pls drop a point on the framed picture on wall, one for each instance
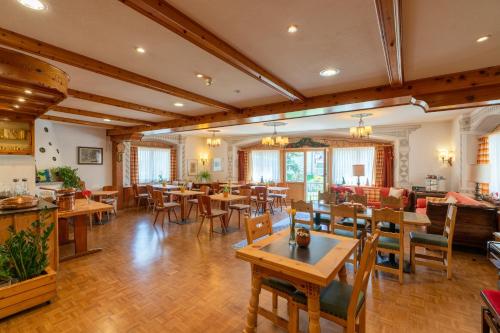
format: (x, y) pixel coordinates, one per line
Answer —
(192, 167)
(90, 155)
(217, 164)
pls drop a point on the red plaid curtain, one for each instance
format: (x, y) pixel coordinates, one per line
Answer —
(173, 164)
(242, 165)
(388, 166)
(483, 157)
(134, 165)
(379, 166)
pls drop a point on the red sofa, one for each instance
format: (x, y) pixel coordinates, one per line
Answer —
(373, 194)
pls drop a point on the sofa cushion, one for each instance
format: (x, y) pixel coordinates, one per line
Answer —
(374, 204)
(421, 203)
(384, 192)
(394, 192)
(359, 190)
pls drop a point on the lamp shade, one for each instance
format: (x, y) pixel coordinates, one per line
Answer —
(480, 173)
(358, 170)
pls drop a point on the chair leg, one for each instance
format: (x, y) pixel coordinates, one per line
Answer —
(175, 214)
(169, 219)
(412, 258)
(190, 207)
(293, 317)
(201, 225)
(448, 265)
(239, 219)
(230, 214)
(355, 260)
(401, 264)
(362, 320)
(211, 227)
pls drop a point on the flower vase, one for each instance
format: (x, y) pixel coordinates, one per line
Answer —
(291, 239)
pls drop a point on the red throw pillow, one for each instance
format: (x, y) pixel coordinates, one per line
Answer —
(421, 203)
(359, 190)
(384, 192)
(493, 296)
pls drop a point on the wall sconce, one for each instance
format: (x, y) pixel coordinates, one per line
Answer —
(204, 158)
(446, 156)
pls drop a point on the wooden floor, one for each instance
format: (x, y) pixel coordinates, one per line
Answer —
(152, 280)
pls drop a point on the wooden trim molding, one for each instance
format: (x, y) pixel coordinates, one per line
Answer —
(37, 47)
(93, 114)
(122, 104)
(174, 20)
(78, 122)
(389, 22)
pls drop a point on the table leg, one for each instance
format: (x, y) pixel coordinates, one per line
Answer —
(184, 208)
(80, 236)
(343, 274)
(63, 231)
(225, 218)
(313, 308)
(253, 306)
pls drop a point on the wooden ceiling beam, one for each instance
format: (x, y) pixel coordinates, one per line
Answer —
(367, 98)
(389, 22)
(8, 115)
(78, 122)
(93, 114)
(37, 47)
(174, 20)
(122, 104)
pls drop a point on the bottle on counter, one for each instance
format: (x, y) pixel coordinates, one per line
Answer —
(24, 186)
(14, 189)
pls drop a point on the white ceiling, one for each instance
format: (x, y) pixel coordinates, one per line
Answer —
(438, 37)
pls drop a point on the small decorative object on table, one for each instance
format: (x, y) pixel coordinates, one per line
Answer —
(225, 191)
(303, 237)
(291, 214)
(87, 194)
(183, 188)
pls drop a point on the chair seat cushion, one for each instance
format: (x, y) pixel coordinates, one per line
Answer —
(348, 221)
(388, 243)
(194, 201)
(218, 212)
(170, 204)
(429, 239)
(280, 285)
(324, 218)
(143, 195)
(239, 206)
(347, 233)
(334, 299)
(302, 216)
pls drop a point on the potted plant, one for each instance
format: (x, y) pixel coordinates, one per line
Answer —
(225, 191)
(303, 237)
(204, 176)
(71, 182)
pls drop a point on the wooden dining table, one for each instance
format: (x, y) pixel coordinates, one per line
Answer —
(224, 203)
(308, 269)
(167, 187)
(184, 196)
(83, 208)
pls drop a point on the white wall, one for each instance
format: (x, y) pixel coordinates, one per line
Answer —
(12, 166)
(67, 138)
(425, 143)
(195, 146)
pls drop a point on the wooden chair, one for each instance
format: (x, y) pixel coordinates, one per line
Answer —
(210, 213)
(280, 197)
(262, 200)
(391, 202)
(216, 187)
(151, 202)
(341, 216)
(442, 243)
(138, 196)
(340, 302)
(195, 201)
(112, 200)
(391, 242)
(161, 206)
(305, 213)
(242, 207)
(326, 198)
(358, 198)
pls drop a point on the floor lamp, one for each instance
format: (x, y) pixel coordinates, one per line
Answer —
(358, 170)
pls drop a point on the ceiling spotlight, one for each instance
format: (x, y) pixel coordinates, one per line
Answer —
(21, 99)
(16, 106)
(329, 72)
(292, 29)
(179, 104)
(199, 76)
(483, 38)
(33, 4)
(106, 120)
(27, 92)
(140, 49)
(208, 81)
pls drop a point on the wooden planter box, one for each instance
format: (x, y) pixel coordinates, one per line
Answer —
(24, 295)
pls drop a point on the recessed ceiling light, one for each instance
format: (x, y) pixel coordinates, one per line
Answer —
(33, 4)
(140, 49)
(27, 91)
(16, 106)
(199, 75)
(21, 99)
(107, 120)
(179, 104)
(292, 29)
(483, 38)
(329, 72)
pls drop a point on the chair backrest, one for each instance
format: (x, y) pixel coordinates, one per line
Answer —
(391, 202)
(344, 211)
(247, 193)
(245, 187)
(395, 217)
(261, 193)
(363, 275)
(205, 189)
(326, 197)
(150, 190)
(449, 224)
(206, 202)
(216, 187)
(304, 207)
(258, 227)
(358, 198)
(135, 188)
(158, 199)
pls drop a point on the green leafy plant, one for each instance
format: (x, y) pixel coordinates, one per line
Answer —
(24, 254)
(204, 176)
(68, 176)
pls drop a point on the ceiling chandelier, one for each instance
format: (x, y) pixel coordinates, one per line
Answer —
(361, 131)
(213, 141)
(275, 140)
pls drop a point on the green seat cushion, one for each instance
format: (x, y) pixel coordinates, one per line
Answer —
(280, 285)
(388, 243)
(429, 239)
(302, 225)
(303, 216)
(324, 218)
(350, 221)
(347, 233)
(334, 299)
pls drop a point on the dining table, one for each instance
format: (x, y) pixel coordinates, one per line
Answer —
(83, 208)
(167, 187)
(184, 196)
(271, 188)
(308, 269)
(224, 203)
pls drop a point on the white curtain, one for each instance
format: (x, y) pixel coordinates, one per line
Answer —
(154, 163)
(344, 158)
(494, 152)
(265, 164)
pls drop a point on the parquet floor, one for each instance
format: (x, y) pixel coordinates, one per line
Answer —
(152, 280)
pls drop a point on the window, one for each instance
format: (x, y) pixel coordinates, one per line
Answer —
(294, 166)
(265, 165)
(154, 164)
(494, 152)
(344, 158)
